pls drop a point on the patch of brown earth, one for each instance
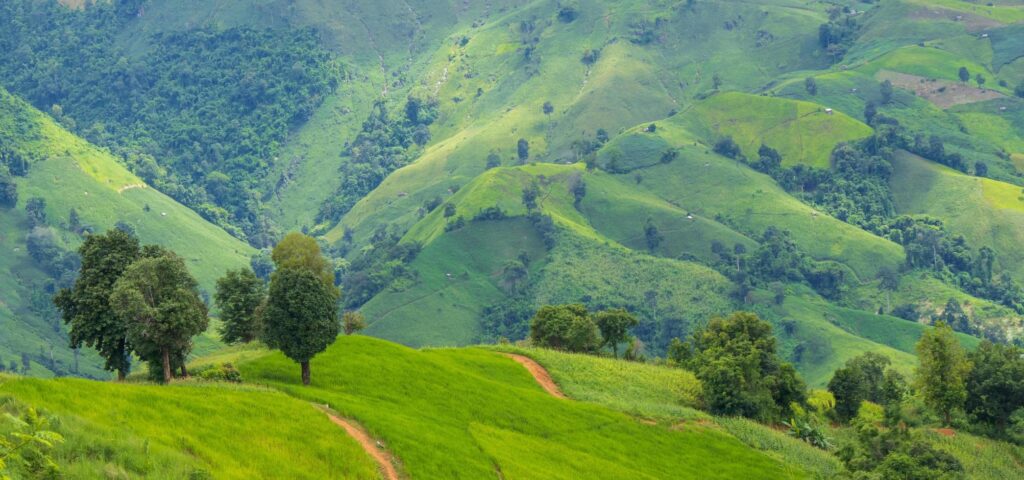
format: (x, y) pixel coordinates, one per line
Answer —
(539, 374)
(943, 93)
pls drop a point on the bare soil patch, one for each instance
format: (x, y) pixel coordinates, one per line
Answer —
(384, 459)
(539, 374)
(943, 93)
(972, 23)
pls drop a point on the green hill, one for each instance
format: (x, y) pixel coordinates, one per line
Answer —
(69, 173)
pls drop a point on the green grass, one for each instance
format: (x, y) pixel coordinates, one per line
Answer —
(802, 132)
(75, 174)
(982, 458)
(985, 211)
(663, 393)
(186, 430)
(470, 413)
(1005, 12)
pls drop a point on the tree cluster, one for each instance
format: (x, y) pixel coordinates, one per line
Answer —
(573, 328)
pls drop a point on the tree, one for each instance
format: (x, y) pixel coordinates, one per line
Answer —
(889, 281)
(742, 374)
(614, 326)
(885, 90)
(652, 235)
(449, 210)
(262, 265)
(861, 379)
(980, 79)
(564, 327)
(86, 307)
(159, 302)
(941, 375)
(548, 108)
(870, 110)
(493, 160)
(301, 251)
(980, 169)
(716, 81)
(239, 294)
(301, 316)
(811, 85)
(530, 193)
(954, 316)
(35, 209)
(964, 74)
(523, 149)
(352, 322)
(995, 387)
(1019, 90)
(8, 189)
(726, 147)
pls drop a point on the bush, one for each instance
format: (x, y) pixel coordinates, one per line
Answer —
(225, 372)
(565, 327)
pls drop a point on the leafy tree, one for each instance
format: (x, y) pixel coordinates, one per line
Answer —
(35, 209)
(493, 160)
(262, 264)
(811, 85)
(353, 322)
(954, 316)
(726, 147)
(768, 159)
(530, 193)
(995, 386)
(8, 189)
(513, 275)
(301, 317)
(870, 111)
(652, 235)
(614, 325)
(897, 454)
(239, 294)
(941, 375)
(735, 358)
(889, 281)
(885, 90)
(523, 149)
(578, 189)
(1019, 90)
(964, 74)
(716, 81)
(26, 446)
(565, 327)
(979, 79)
(301, 251)
(862, 378)
(86, 306)
(548, 108)
(449, 210)
(159, 302)
(980, 169)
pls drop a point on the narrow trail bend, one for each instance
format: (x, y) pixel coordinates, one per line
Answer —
(384, 459)
(539, 374)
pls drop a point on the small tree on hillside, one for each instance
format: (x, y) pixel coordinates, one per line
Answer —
(995, 387)
(159, 301)
(885, 90)
(565, 327)
(942, 374)
(239, 294)
(614, 326)
(652, 235)
(301, 316)
(353, 322)
(811, 85)
(523, 150)
(86, 306)
(964, 74)
(548, 108)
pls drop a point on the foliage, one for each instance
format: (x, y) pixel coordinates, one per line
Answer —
(565, 327)
(300, 251)
(995, 386)
(375, 268)
(201, 115)
(86, 306)
(158, 300)
(896, 453)
(238, 295)
(27, 443)
(301, 317)
(942, 374)
(866, 377)
(735, 358)
(352, 322)
(614, 326)
(383, 145)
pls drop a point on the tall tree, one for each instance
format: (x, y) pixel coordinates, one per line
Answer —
(239, 294)
(159, 301)
(301, 251)
(301, 316)
(995, 387)
(942, 374)
(565, 327)
(86, 307)
(614, 326)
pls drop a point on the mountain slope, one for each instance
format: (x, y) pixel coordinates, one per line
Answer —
(69, 173)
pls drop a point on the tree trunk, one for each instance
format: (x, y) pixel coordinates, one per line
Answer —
(184, 371)
(946, 416)
(615, 349)
(166, 353)
(120, 375)
(305, 373)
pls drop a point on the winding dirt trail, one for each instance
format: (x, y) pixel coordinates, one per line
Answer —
(385, 460)
(539, 374)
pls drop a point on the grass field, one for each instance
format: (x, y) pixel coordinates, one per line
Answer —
(189, 431)
(469, 413)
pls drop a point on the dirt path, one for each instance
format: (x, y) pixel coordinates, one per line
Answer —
(539, 374)
(385, 460)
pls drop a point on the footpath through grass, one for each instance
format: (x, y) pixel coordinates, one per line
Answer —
(191, 430)
(470, 413)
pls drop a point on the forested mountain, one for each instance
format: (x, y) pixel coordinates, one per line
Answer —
(850, 171)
